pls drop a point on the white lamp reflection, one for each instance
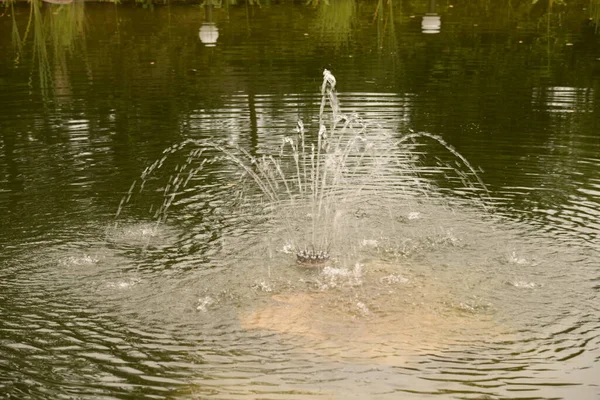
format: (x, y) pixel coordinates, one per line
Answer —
(432, 23)
(209, 33)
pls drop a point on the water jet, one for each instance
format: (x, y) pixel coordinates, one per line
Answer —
(317, 196)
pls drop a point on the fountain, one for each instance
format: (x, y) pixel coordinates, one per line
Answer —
(323, 196)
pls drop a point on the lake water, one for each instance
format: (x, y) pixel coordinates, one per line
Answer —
(446, 278)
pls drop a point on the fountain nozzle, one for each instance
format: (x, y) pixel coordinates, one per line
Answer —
(312, 257)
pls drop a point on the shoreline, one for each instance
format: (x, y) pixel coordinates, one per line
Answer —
(7, 3)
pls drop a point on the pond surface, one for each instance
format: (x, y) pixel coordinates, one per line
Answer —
(463, 261)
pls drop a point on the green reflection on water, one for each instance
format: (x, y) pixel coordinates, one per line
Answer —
(595, 13)
(335, 18)
(149, 68)
(57, 30)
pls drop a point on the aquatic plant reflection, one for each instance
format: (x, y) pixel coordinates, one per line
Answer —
(57, 28)
(40, 50)
(386, 25)
(595, 13)
(335, 20)
(15, 35)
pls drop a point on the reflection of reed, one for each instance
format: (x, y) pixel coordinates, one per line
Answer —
(335, 19)
(40, 51)
(595, 12)
(58, 27)
(386, 29)
(15, 35)
(66, 24)
(65, 27)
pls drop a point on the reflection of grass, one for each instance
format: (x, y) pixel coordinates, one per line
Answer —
(66, 24)
(40, 51)
(53, 27)
(335, 19)
(15, 35)
(386, 29)
(595, 12)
